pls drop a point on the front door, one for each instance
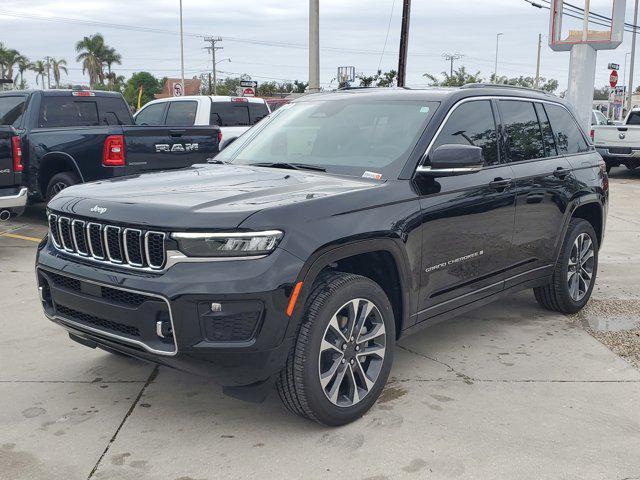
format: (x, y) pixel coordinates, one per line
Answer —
(467, 220)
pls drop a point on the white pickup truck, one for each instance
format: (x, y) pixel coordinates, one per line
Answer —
(234, 115)
(619, 144)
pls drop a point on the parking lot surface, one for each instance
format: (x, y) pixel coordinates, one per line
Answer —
(508, 391)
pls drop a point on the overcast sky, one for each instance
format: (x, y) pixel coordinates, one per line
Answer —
(267, 38)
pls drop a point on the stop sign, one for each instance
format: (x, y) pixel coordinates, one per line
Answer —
(248, 92)
(613, 79)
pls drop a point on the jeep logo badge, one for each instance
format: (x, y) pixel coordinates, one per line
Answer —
(98, 209)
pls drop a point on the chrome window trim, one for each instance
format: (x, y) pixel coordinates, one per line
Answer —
(73, 236)
(93, 254)
(80, 326)
(105, 232)
(126, 249)
(146, 250)
(425, 155)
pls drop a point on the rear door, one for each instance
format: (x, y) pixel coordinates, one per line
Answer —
(236, 115)
(467, 220)
(543, 185)
(7, 175)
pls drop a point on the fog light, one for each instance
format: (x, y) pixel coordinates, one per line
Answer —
(216, 307)
(163, 329)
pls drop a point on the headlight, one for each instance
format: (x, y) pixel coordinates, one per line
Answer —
(235, 244)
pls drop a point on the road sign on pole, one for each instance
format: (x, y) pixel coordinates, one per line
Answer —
(613, 79)
(613, 66)
(177, 89)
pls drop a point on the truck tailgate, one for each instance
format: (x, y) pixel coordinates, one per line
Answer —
(616, 136)
(7, 175)
(163, 148)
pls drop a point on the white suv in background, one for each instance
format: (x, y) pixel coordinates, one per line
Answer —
(234, 115)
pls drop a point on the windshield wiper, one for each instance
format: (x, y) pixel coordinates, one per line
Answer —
(291, 166)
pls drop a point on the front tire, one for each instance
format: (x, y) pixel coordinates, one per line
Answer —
(59, 182)
(343, 354)
(575, 272)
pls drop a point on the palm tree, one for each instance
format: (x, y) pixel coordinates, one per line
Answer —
(109, 57)
(58, 65)
(90, 52)
(40, 69)
(8, 59)
(23, 65)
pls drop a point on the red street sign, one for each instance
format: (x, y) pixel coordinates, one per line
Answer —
(613, 79)
(248, 92)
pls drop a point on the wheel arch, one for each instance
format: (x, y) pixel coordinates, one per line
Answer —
(53, 163)
(588, 207)
(381, 260)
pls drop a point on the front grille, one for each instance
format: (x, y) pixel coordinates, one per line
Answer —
(112, 294)
(97, 321)
(109, 243)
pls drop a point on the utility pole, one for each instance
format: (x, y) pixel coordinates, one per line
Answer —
(314, 46)
(48, 60)
(536, 84)
(451, 57)
(633, 58)
(212, 48)
(184, 87)
(404, 43)
(495, 70)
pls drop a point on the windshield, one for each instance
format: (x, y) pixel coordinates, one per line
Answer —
(362, 137)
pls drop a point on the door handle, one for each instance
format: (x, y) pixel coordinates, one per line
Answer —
(501, 183)
(561, 172)
(177, 133)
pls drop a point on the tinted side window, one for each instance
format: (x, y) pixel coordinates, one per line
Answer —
(230, 114)
(634, 118)
(181, 114)
(11, 110)
(257, 111)
(569, 138)
(68, 112)
(151, 115)
(524, 136)
(114, 111)
(547, 133)
(472, 123)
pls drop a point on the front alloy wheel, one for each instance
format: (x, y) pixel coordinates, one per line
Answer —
(352, 352)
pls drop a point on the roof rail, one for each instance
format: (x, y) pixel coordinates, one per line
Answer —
(502, 85)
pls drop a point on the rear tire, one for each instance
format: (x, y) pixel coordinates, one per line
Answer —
(343, 353)
(575, 272)
(59, 182)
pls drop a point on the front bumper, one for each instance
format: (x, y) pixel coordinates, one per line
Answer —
(14, 199)
(167, 318)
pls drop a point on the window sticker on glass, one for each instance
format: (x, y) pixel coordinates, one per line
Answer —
(373, 175)
(425, 109)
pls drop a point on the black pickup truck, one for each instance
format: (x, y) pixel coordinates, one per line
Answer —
(13, 197)
(75, 136)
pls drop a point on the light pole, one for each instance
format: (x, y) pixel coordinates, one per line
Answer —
(495, 70)
(184, 87)
(314, 46)
(633, 58)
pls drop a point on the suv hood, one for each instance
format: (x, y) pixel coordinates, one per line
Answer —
(203, 196)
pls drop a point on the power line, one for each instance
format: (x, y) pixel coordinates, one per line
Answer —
(386, 38)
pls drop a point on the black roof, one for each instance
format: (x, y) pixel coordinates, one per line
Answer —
(60, 92)
(434, 93)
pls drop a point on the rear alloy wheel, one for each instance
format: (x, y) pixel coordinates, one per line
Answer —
(574, 275)
(59, 182)
(343, 352)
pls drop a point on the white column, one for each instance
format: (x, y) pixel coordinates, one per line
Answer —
(582, 77)
(314, 46)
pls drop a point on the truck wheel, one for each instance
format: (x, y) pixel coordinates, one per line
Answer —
(59, 182)
(343, 354)
(575, 272)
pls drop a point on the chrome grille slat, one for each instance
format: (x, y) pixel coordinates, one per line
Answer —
(79, 237)
(109, 244)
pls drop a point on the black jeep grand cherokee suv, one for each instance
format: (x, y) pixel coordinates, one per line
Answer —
(338, 225)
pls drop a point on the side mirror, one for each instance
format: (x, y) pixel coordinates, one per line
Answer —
(226, 142)
(451, 160)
